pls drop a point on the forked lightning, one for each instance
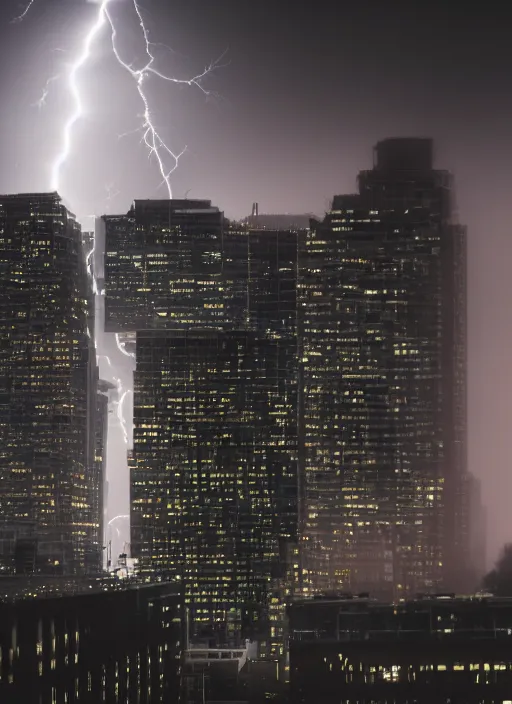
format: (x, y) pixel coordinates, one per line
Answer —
(166, 158)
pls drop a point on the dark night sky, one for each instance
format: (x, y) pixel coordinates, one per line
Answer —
(307, 90)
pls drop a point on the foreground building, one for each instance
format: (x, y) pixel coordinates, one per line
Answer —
(383, 293)
(49, 513)
(436, 650)
(108, 644)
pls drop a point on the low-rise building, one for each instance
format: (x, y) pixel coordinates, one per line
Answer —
(108, 644)
(434, 650)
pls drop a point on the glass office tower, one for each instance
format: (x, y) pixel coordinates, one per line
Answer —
(214, 465)
(383, 291)
(49, 518)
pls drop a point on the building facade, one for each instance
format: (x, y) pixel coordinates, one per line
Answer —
(109, 644)
(214, 465)
(437, 650)
(383, 292)
(47, 390)
(163, 266)
(214, 471)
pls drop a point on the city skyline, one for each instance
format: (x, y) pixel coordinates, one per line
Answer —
(279, 446)
(138, 245)
(435, 97)
(299, 395)
(254, 351)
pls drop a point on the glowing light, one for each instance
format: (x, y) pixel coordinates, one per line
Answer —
(88, 257)
(121, 346)
(116, 518)
(24, 13)
(88, 262)
(41, 102)
(75, 92)
(119, 385)
(122, 396)
(151, 137)
(120, 415)
(104, 356)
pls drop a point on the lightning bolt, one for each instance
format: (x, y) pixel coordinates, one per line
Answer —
(83, 58)
(24, 13)
(119, 385)
(121, 346)
(113, 520)
(88, 263)
(122, 396)
(41, 102)
(151, 137)
(89, 257)
(112, 193)
(104, 356)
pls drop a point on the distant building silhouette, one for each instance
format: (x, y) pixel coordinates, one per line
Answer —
(476, 515)
(276, 221)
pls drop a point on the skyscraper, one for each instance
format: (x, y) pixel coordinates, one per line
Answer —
(214, 466)
(213, 478)
(49, 522)
(384, 370)
(163, 266)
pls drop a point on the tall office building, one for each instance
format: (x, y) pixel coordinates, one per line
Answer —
(214, 466)
(48, 520)
(163, 266)
(384, 374)
(213, 477)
